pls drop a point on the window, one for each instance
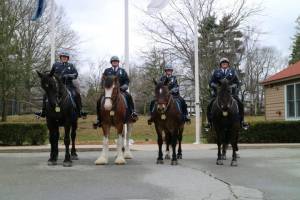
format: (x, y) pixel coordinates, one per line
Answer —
(293, 101)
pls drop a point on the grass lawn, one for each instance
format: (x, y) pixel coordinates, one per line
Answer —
(142, 132)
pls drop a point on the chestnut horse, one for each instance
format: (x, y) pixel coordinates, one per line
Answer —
(167, 118)
(113, 114)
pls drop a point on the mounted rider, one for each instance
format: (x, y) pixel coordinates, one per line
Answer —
(116, 70)
(68, 74)
(225, 71)
(174, 90)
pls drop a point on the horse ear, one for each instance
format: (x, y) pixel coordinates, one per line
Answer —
(39, 74)
(154, 81)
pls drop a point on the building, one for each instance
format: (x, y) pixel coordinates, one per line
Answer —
(282, 94)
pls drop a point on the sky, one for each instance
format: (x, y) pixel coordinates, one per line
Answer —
(100, 26)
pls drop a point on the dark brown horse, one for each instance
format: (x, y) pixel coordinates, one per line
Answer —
(113, 114)
(167, 119)
(60, 111)
(226, 123)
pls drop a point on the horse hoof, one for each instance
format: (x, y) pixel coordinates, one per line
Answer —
(179, 156)
(128, 155)
(219, 162)
(167, 157)
(234, 163)
(120, 161)
(74, 157)
(52, 163)
(101, 161)
(67, 164)
(160, 161)
(174, 162)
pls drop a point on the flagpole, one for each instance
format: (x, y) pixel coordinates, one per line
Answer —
(197, 88)
(52, 34)
(126, 54)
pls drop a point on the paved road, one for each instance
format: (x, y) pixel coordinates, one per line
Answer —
(262, 174)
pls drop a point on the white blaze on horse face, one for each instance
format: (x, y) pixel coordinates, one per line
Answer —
(160, 90)
(107, 100)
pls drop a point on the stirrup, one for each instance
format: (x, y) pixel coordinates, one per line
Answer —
(150, 120)
(96, 124)
(245, 126)
(207, 127)
(40, 114)
(187, 120)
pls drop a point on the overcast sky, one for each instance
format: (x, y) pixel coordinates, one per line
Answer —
(100, 26)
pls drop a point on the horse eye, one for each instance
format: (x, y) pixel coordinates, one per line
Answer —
(46, 85)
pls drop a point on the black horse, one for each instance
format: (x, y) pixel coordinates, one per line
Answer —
(167, 118)
(226, 122)
(60, 111)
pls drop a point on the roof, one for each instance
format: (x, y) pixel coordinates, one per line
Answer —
(291, 72)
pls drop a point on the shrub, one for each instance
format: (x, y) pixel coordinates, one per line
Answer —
(19, 133)
(266, 132)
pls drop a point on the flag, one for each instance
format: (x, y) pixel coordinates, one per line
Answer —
(156, 5)
(40, 7)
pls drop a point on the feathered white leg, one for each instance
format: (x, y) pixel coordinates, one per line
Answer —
(120, 158)
(127, 153)
(103, 159)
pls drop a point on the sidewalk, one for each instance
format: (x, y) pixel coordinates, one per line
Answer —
(141, 147)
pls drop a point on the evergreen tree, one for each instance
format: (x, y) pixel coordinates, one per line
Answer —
(295, 56)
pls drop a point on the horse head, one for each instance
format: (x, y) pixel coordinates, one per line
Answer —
(111, 90)
(224, 98)
(49, 85)
(162, 95)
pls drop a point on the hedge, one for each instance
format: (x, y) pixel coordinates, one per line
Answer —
(266, 132)
(20, 133)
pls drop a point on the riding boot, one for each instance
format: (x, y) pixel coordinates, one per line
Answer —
(184, 110)
(134, 115)
(208, 115)
(150, 120)
(42, 113)
(98, 111)
(244, 125)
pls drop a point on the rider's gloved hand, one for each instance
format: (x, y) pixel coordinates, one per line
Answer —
(124, 87)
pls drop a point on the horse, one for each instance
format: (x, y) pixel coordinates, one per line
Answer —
(113, 114)
(226, 122)
(60, 111)
(167, 118)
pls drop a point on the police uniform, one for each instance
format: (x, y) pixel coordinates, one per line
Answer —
(231, 75)
(67, 72)
(124, 82)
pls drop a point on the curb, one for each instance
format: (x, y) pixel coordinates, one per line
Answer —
(140, 147)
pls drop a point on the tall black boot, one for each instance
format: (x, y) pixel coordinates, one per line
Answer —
(244, 125)
(42, 113)
(184, 110)
(150, 120)
(98, 111)
(134, 116)
(208, 115)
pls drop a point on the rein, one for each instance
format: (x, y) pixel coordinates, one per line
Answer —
(168, 105)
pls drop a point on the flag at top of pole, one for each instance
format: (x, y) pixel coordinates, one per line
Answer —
(156, 5)
(40, 7)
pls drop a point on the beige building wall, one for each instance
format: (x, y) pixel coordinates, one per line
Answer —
(274, 102)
